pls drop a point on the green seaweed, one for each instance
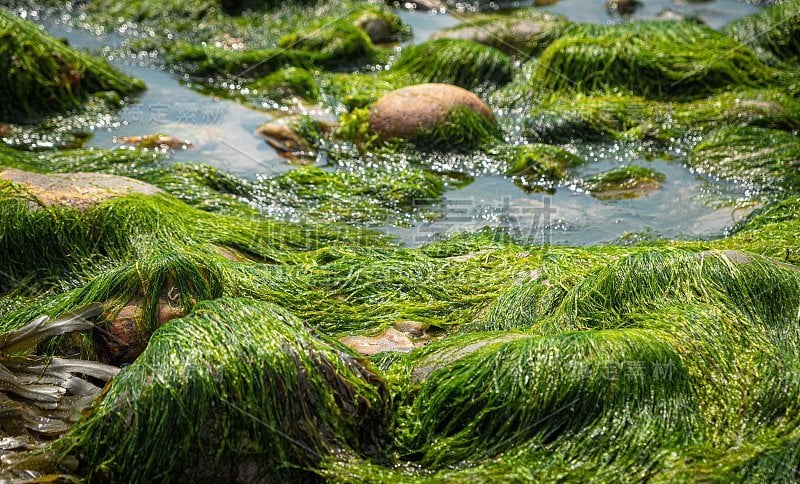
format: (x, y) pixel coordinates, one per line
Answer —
(772, 33)
(765, 159)
(537, 164)
(655, 60)
(599, 116)
(463, 130)
(287, 83)
(461, 62)
(332, 43)
(271, 396)
(43, 75)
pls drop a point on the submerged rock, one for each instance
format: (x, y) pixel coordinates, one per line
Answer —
(76, 190)
(156, 141)
(413, 111)
(624, 182)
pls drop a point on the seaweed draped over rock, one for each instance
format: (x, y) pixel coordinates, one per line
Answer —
(773, 33)
(653, 365)
(241, 390)
(766, 159)
(656, 60)
(41, 74)
(464, 63)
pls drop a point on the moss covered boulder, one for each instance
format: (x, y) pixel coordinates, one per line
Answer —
(40, 74)
(441, 114)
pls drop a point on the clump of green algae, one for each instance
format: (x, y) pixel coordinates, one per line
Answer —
(676, 361)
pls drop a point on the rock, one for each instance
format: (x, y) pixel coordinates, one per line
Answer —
(675, 16)
(124, 338)
(389, 340)
(280, 133)
(378, 29)
(76, 190)
(623, 7)
(415, 329)
(407, 112)
(156, 141)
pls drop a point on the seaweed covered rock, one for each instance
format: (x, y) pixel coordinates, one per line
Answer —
(515, 35)
(656, 60)
(41, 75)
(381, 26)
(623, 182)
(76, 190)
(561, 118)
(332, 43)
(648, 357)
(536, 166)
(464, 63)
(434, 114)
(764, 159)
(287, 83)
(243, 387)
(774, 33)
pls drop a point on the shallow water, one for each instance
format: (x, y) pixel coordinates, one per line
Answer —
(222, 133)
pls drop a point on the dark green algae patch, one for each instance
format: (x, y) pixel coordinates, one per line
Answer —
(668, 360)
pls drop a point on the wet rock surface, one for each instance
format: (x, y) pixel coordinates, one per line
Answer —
(408, 112)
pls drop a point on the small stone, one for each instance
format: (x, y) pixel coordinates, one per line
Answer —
(623, 7)
(281, 135)
(124, 338)
(389, 340)
(407, 112)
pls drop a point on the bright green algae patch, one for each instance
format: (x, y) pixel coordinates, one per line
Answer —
(464, 63)
(773, 33)
(656, 60)
(42, 75)
(671, 362)
(766, 159)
